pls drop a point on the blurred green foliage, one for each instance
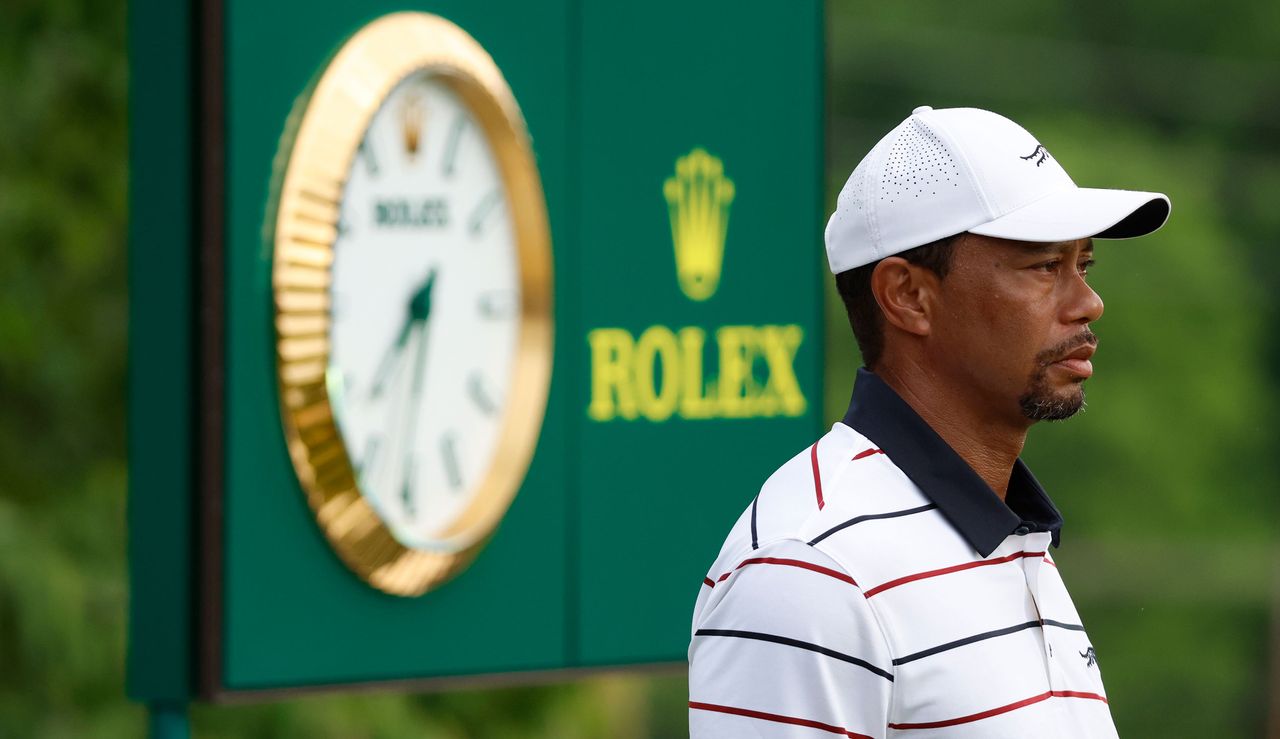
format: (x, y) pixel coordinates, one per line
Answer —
(62, 339)
(1169, 482)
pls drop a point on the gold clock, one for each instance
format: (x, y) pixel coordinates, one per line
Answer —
(412, 282)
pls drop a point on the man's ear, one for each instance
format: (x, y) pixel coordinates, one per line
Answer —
(906, 293)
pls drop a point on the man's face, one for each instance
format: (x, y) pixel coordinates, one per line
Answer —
(1014, 324)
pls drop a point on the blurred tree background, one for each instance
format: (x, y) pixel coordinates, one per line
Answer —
(1169, 482)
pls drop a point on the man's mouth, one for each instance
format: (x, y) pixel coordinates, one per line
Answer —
(1077, 362)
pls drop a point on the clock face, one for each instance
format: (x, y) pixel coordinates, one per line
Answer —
(425, 309)
(412, 277)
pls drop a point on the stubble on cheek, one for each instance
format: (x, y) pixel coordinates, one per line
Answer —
(1039, 402)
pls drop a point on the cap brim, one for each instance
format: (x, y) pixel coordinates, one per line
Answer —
(1082, 213)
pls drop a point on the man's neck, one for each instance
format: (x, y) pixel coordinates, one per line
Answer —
(989, 443)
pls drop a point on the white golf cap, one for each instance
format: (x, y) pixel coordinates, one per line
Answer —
(944, 172)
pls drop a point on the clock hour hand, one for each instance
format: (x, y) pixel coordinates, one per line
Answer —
(420, 303)
(419, 310)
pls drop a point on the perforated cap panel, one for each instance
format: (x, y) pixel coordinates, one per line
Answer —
(918, 164)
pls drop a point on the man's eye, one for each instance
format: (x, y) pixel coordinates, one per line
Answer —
(1085, 266)
(1049, 266)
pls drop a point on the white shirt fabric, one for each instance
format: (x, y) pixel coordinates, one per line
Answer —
(848, 601)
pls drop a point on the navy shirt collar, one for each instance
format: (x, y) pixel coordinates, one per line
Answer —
(972, 507)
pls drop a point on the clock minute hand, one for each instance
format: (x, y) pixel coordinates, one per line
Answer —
(415, 404)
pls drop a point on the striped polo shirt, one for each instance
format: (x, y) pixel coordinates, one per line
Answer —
(877, 587)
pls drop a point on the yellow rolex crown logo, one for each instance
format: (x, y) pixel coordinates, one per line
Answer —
(698, 199)
(411, 120)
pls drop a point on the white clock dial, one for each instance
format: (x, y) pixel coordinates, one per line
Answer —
(413, 287)
(425, 310)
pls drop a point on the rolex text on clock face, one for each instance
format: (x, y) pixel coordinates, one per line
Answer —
(425, 309)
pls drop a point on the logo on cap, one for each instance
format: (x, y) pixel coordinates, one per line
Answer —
(1039, 150)
(698, 199)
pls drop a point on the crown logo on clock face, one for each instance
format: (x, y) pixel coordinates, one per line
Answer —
(411, 122)
(698, 199)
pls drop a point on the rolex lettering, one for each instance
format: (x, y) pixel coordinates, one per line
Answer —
(694, 373)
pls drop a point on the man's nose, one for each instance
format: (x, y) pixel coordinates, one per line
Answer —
(1085, 305)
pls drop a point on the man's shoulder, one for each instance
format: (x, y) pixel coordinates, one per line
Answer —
(839, 480)
(827, 495)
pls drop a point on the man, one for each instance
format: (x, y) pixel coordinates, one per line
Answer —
(895, 578)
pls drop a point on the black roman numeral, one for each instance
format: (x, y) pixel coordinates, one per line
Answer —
(497, 304)
(406, 492)
(479, 395)
(452, 470)
(366, 155)
(451, 143)
(480, 216)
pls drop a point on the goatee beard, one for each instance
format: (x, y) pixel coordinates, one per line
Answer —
(1039, 402)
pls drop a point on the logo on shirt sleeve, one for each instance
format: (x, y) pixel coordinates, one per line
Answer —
(1090, 657)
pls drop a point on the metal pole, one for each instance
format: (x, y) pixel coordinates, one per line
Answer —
(168, 721)
(1273, 689)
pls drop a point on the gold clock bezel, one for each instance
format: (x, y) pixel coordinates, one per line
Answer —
(317, 160)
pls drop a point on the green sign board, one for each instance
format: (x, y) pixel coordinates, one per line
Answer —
(678, 153)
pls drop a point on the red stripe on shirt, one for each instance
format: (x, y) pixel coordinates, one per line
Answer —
(1051, 562)
(1002, 709)
(797, 563)
(783, 561)
(1078, 694)
(817, 476)
(867, 453)
(777, 718)
(948, 570)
